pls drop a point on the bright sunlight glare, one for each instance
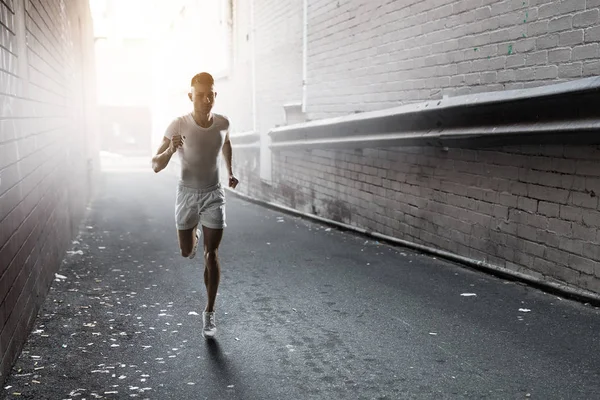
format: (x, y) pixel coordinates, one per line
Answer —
(146, 53)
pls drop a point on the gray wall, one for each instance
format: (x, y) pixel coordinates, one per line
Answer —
(368, 55)
(47, 151)
(532, 209)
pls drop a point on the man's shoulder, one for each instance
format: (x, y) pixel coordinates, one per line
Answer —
(224, 120)
(179, 119)
(221, 117)
(183, 117)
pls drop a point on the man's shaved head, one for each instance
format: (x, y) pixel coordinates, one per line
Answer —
(203, 78)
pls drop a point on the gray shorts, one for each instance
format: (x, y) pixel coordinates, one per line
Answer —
(200, 206)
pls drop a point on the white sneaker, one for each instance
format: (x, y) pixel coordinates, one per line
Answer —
(195, 249)
(210, 329)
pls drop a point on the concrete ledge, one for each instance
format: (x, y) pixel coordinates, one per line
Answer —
(245, 140)
(557, 288)
(565, 113)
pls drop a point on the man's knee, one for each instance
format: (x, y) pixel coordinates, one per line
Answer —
(210, 254)
(186, 252)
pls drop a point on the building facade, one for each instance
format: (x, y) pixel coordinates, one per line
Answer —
(48, 152)
(529, 209)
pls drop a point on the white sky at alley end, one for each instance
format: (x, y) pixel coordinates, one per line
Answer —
(132, 37)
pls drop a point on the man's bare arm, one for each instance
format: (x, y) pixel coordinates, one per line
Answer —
(165, 152)
(227, 152)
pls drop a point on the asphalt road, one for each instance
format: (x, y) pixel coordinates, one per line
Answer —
(303, 312)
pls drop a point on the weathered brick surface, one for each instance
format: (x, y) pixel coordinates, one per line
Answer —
(45, 152)
(532, 209)
(452, 200)
(367, 55)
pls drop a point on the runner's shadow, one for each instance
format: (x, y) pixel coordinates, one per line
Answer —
(217, 357)
(224, 370)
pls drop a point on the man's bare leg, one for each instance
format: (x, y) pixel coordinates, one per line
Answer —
(212, 270)
(187, 240)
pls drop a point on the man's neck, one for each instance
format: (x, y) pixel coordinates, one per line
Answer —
(202, 119)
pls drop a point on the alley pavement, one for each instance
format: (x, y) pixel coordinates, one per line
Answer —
(304, 311)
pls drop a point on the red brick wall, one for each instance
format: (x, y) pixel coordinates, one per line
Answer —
(47, 157)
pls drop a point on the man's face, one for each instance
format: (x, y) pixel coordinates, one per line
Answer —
(203, 97)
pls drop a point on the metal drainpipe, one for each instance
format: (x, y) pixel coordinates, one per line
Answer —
(253, 67)
(304, 54)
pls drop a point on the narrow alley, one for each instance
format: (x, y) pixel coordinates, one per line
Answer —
(417, 214)
(305, 311)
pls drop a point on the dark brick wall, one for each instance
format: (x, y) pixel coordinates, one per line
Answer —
(532, 209)
(47, 157)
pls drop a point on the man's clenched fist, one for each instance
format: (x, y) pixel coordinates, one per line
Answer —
(176, 142)
(233, 181)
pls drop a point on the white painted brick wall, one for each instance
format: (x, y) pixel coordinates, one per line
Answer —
(278, 65)
(530, 209)
(235, 90)
(368, 55)
(46, 88)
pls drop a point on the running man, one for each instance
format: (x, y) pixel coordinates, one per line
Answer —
(199, 138)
